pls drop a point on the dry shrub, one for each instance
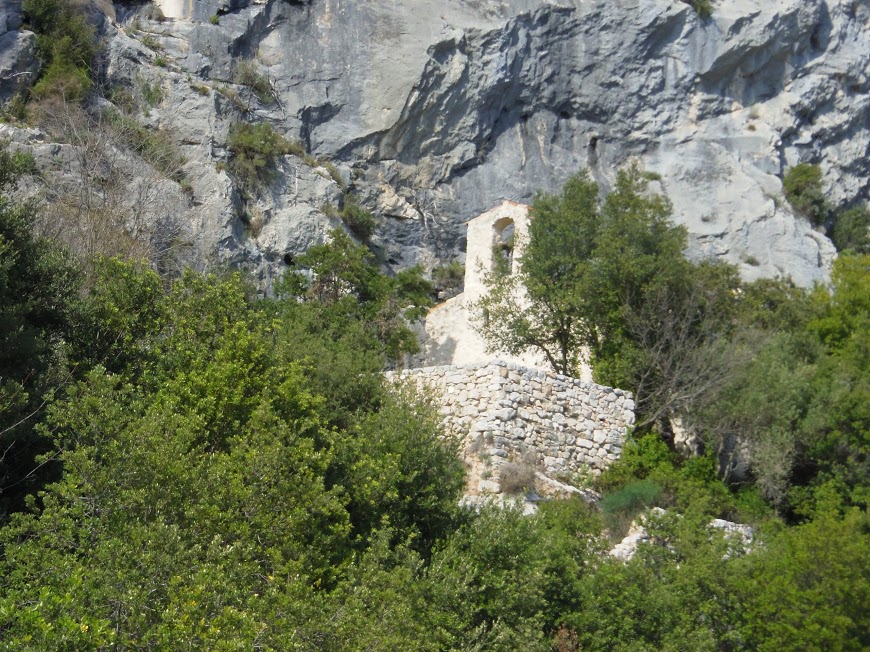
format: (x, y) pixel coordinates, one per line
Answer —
(111, 190)
(516, 478)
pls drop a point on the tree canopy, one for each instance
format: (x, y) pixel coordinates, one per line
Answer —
(233, 473)
(606, 283)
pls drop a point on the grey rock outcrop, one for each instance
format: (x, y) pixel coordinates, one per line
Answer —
(739, 536)
(18, 63)
(435, 112)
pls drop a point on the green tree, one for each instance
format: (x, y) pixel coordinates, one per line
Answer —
(852, 230)
(255, 149)
(38, 285)
(347, 286)
(802, 186)
(67, 45)
(206, 498)
(798, 406)
(609, 283)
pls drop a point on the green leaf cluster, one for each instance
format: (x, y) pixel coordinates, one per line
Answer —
(852, 230)
(67, 46)
(36, 282)
(346, 285)
(763, 373)
(255, 149)
(802, 185)
(233, 473)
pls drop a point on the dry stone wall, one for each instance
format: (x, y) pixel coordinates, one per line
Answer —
(562, 425)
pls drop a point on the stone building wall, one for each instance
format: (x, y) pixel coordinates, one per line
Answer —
(562, 425)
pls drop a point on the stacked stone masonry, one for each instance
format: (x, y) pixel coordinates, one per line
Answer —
(563, 425)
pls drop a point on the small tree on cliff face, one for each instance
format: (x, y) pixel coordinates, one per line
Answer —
(607, 281)
(583, 266)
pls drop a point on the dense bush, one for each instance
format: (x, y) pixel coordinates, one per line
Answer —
(255, 149)
(360, 221)
(232, 473)
(633, 497)
(852, 230)
(802, 186)
(67, 46)
(38, 285)
(350, 292)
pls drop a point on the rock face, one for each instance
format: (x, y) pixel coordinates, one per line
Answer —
(18, 64)
(738, 535)
(434, 112)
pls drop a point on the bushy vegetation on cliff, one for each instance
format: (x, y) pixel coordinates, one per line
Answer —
(764, 371)
(185, 466)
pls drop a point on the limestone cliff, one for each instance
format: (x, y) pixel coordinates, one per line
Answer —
(435, 111)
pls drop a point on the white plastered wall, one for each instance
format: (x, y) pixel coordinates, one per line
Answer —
(451, 338)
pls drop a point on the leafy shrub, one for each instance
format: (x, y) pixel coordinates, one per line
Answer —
(622, 506)
(704, 8)
(802, 186)
(360, 221)
(63, 36)
(63, 81)
(66, 44)
(852, 230)
(634, 496)
(215, 19)
(516, 478)
(449, 277)
(640, 458)
(255, 149)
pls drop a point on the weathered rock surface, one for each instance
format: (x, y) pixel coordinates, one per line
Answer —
(738, 535)
(438, 111)
(18, 63)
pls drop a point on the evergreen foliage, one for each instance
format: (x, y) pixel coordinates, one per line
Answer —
(802, 185)
(231, 473)
(67, 46)
(704, 8)
(255, 148)
(754, 367)
(37, 281)
(852, 230)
